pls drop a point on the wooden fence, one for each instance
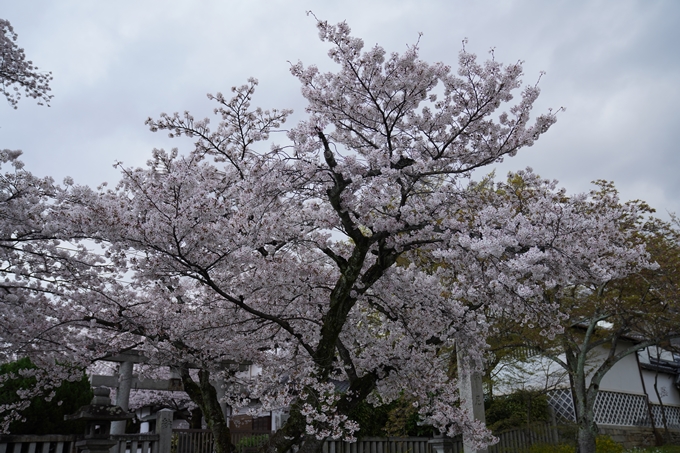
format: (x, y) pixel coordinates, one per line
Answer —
(380, 445)
(136, 443)
(200, 441)
(37, 444)
(511, 441)
(192, 441)
(517, 440)
(249, 441)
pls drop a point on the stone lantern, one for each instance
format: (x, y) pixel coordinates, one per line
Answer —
(98, 415)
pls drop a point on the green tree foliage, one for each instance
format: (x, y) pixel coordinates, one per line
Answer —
(42, 416)
(371, 419)
(517, 410)
(403, 421)
(396, 419)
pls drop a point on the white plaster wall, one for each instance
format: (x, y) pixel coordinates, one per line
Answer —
(623, 377)
(669, 393)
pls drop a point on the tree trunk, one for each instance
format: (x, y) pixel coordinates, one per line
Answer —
(584, 402)
(311, 445)
(658, 438)
(585, 415)
(205, 395)
(308, 444)
(666, 434)
(291, 433)
(196, 418)
(587, 433)
(585, 419)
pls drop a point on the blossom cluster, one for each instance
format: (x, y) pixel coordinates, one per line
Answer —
(17, 73)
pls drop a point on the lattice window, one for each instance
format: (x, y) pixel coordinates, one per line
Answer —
(621, 409)
(562, 404)
(672, 416)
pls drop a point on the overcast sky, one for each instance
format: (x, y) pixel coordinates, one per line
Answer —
(613, 64)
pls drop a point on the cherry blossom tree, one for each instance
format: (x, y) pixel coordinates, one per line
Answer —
(17, 73)
(305, 255)
(66, 306)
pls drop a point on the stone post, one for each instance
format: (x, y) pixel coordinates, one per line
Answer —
(164, 430)
(123, 394)
(144, 426)
(472, 398)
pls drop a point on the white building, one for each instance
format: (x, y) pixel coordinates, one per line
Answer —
(638, 384)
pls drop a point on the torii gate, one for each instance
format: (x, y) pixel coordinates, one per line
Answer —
(124, 381)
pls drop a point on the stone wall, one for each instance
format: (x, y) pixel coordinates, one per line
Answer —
(633, 436)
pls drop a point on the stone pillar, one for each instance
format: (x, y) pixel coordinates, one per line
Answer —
(219, 389)
(123, 394)
(472, 398)
(164, 430)
(441, 444)
(144, 426)
(174, 374)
